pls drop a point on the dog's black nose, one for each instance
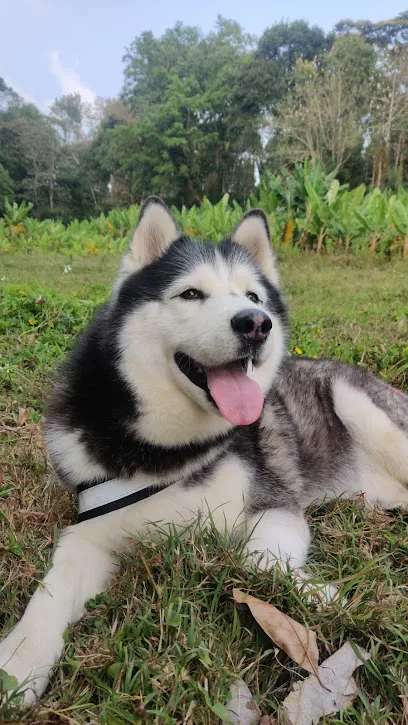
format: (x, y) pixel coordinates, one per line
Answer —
(253, 325)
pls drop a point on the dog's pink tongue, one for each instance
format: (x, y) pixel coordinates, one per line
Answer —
(238, 398)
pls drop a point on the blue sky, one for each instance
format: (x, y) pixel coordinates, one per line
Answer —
(51, 47)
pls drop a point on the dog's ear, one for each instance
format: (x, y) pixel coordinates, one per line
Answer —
(252, 232)
(156, 230)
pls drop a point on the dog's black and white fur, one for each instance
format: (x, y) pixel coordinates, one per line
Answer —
(134, 402)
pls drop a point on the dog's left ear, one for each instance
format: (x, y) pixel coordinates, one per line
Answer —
(156, 230)
(252, 232)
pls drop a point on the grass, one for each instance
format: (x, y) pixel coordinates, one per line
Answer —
(165, 643)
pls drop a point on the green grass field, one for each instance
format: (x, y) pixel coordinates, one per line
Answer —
(165, 643)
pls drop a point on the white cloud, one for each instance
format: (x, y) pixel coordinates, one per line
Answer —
(69, 80)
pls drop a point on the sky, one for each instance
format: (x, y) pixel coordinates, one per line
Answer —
(52, 47)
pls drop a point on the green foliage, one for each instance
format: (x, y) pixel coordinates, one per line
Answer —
(210, 221)
(14, 213)
(6, 187)
(306, 207)
(354, 57)
(202, 115)
(193, 125)
(381, 34)
(287, 42)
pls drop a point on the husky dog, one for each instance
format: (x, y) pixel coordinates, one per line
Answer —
(179, 398)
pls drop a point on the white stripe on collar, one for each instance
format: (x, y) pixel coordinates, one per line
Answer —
(105, 493)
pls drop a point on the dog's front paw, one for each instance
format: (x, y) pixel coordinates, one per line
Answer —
(22, 657)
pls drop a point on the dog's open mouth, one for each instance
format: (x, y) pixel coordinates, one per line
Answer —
(238, 398)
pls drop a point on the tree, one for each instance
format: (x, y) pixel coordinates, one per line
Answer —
(318, 120)
(355, 59)
(191, 133)
(324, 115)
(388, 122)
(287, 43)
(151, 61)
(14, 113)
(269, 72)
(196, 109)
(6, 187)
(8, 97)
(68, 115)
(40, 149)
(382, 34)
(76, 120)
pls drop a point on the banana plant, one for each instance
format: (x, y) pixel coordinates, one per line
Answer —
(344, 210)
(320, 212)
(373, 216)
(304, 205)
(14, 214)
(399, 219)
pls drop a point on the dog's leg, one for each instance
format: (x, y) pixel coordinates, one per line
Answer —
(81, 568)
(281, 537)
(382, 447)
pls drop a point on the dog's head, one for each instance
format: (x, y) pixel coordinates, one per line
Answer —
(201, 325)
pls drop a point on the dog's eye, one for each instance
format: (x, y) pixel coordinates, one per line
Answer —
(253, 297)
(192, 294)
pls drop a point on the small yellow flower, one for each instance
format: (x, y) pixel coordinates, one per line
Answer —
(319, 331)
(316, 357)
(31, 321)
(298, 351)
(405, 349)
(21, 291)
(383, 375)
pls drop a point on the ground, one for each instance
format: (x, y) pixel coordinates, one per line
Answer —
(165, 643)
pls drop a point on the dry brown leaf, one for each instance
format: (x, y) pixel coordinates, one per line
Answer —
(297, 641)
(22, 416)
(334, 689)
(242, 707)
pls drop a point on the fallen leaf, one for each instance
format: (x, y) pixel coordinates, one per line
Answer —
(267, 720)
(22, 416)
(242, 708)
(297, 641)
(33, 337)
(334, 689)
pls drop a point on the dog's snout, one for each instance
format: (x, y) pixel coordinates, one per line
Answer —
(253, 325)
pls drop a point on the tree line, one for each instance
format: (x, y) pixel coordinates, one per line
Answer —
(202, 115)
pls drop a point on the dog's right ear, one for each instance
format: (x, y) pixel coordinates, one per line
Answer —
(156, 230)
